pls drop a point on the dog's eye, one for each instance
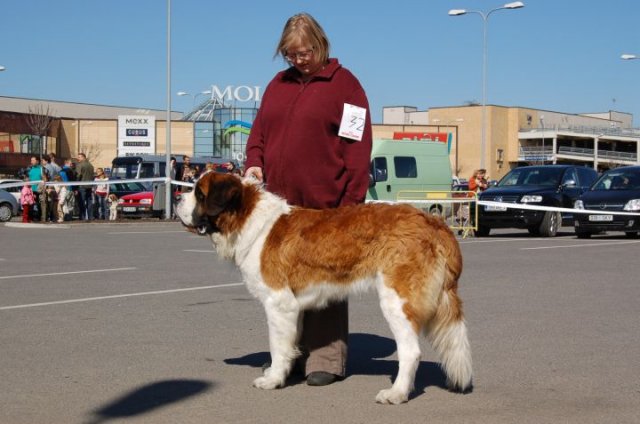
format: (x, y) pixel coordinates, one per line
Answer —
(199, 195)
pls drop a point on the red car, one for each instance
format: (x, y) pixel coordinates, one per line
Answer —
(138, 205)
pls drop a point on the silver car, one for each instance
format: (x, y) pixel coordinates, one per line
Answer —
(8, 206)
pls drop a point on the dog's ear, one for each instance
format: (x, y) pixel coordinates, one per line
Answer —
(220, 192)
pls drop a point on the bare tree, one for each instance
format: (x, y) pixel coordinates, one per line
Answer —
(39, 120)
(91, 150)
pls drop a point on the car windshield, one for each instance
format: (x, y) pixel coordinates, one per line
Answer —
(618, 180)
(542, 176)
(124, 171)
(134, 187)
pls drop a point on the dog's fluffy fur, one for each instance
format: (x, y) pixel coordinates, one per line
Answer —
(293, 259)
(113, 207)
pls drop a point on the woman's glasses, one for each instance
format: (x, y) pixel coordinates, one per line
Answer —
(305, 55)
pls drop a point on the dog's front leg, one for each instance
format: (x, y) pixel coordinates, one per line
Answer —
(282, 316)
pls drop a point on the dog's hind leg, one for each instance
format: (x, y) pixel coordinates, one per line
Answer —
(408, 345)
(283, 314)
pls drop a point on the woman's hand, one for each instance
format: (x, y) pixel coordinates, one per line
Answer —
(255, 172)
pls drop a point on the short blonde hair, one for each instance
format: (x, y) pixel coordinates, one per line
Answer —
(304, 29)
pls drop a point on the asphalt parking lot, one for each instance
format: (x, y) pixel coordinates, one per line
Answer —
(141, 323)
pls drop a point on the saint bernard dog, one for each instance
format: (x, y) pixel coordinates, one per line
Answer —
(293, 259)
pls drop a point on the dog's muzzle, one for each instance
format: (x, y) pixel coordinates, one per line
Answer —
(201, 228)
(204, 228)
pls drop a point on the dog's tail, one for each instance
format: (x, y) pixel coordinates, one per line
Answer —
(447, 330)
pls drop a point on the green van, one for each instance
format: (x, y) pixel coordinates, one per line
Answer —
(398, 165)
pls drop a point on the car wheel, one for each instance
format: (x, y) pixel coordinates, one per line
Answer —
(5, 212)
(482, 231)
(550, 224)
(631, 234)
(583, 234)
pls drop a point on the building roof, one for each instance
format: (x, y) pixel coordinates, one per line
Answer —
(73, 110)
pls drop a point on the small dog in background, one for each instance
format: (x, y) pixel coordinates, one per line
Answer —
(113, 207)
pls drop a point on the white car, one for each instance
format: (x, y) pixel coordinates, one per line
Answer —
(8, 206)
(15, 191)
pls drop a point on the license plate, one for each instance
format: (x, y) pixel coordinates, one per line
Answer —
(600, 218)
(128, 209)
(491, 208)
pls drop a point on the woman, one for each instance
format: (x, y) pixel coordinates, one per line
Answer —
(295, 148)
(478, 181)
(101, 193)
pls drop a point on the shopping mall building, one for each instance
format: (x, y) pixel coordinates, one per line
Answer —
(514, 136)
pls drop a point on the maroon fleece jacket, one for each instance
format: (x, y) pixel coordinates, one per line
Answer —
(294, 139)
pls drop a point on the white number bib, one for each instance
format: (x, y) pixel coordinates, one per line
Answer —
(353, 120)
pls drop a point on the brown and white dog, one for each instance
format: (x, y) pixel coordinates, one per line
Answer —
(293, 259)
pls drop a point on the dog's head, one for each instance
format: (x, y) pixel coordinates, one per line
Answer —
(214, 199)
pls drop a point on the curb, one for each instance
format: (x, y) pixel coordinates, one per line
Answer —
(77, 224)
(35, 225)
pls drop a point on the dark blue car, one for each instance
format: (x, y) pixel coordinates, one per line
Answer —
(617, 190)
(545, 185)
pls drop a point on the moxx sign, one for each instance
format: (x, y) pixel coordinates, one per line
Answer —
(240, 93)
(138, 121)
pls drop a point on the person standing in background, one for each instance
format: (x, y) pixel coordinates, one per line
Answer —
(478, 181)
(85, 172)
(101, 191)
(35, 174)
(52, 168)
(311, 144)
(27, 200)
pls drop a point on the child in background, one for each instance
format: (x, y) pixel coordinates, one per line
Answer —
(61, 196)
(27, 199)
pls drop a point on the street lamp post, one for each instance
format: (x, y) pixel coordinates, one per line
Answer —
(168, 206)
(193, 96)
(485, 17)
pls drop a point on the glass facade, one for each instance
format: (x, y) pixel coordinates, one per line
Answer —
(220, 130)
(19, 143)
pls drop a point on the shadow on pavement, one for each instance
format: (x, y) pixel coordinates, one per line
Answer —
(148, 398)
(365, 358)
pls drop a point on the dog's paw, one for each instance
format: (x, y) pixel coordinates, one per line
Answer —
(391, 396)
(267, 383)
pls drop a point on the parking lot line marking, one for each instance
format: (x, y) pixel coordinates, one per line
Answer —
(497, 240)
(117, 296)
(582, 245)
(6, 277)
(146, 232)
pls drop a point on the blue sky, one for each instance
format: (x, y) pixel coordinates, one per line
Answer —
(559, 55)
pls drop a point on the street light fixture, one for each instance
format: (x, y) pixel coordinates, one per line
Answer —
(193, 96)
(629, 56)
(485, 17)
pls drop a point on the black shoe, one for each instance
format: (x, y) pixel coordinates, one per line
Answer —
(321, 378)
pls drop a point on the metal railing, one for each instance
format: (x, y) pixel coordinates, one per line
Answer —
(607, 154)
(591, 130)
(538, 153)
(459, 209)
